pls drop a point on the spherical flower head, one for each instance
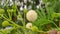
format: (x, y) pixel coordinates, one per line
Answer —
(28, 25)
(5, 23)
(31, 15)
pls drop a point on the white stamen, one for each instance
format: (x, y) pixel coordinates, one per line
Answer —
(21, 8)
(25, 7)
(37, 6)
(18, 3)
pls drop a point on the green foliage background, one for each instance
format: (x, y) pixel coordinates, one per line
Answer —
(48, 16)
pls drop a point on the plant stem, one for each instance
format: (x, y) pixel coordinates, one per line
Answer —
(11, 21)
(24, 18)
(20, 16)
(9, 15)
(55, 24)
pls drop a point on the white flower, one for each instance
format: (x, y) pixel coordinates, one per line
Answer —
(25, 6)
(29, 7)
(38, 6)
(18, 3)
(31, 15)
(8, 28)
(29, 25)
(25, 1)
(29, 0)
(21, 8)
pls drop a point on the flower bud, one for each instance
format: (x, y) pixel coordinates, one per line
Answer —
(34, 28)
(2, 11)
(29, 25)
(5, 23)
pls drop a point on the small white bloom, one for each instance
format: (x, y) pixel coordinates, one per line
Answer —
(31, 15)
(8, 28)
(2, 2)
(32, 2)
(28, 25)
(48, 3)
(11, 3)
(10, 0)
(21, 8)
(37, 6)
(25, 1)
(25, 6)
(18, 3)
(29, 7)
(29, 0)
